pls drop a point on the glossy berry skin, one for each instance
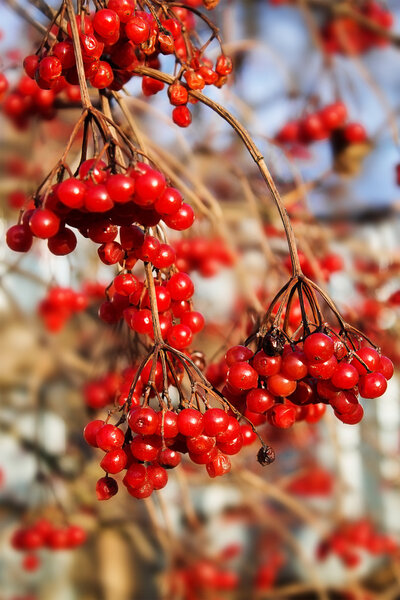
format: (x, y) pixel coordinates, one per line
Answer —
(200, 444)
(318, 347)
(137, 29)
(182, 219)
(64, 242)
(242, 376)
(344, 402)
(180, 287)
(369, 356)
(372, 385)
(143, 420)
(351, 418)
(141, 321)
(44, 223)
(182, 116)
(106, 488)
(194, 320)
(232, 447)
(278, 385)
(149, 187)
(323, 370)
(145, 448)
(157, 476)
(190, 422)
(106, 23)
(215, 421)
(345, 376)
(93, 171)
(19, 238)
(248, 435)
(231, 432)
(103, 77)
(238, 354)
(220, 465)
(180, 336)
(125, 284)
(114, 461)
(71, 192)
(266, 365)
(142, 492)
(120, 188)
(294, 365)
(169, 201)
(168, 458)
(50, 68)
(91, 430)
(282, 416)
(109, 437)
(386, 367)
(259, 400)
(135, 476)
(97, 199)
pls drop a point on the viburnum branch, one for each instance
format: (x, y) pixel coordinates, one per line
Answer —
(254, 152)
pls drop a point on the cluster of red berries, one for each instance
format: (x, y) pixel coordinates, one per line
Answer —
(130, 300)
(116, 40)
(43, 534)
(60, 304)
(349, 539)
(328, 123)
(27, 99)
(97, 203)
(207, 256)
(315, 481)
(347, 36)
(155, 441)
(291, 382)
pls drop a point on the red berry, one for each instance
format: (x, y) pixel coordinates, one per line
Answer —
(182, 219)
(278, 385)
(44, 223)
(19, 238)
(114, 461)
(215, 421)
(218, 466)
(157, 476)
(109, 437)
(106, 487)
(143, 420)
(91, 430)
(345, 376)
(190, 422)
(266, 365)
(318, 347)
(238, 354)
(372, 385)
(242, 376)
(106, 23)
(259, 400)
(182, 116)
(282, 416)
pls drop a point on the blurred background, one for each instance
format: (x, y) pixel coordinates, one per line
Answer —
(258, 532)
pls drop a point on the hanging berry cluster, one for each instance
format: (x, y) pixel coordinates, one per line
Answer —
(42, 534)
(350, 539)
(292, 377)
(155, 441)
(117, 40)
(100, 204)
(329, 122)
